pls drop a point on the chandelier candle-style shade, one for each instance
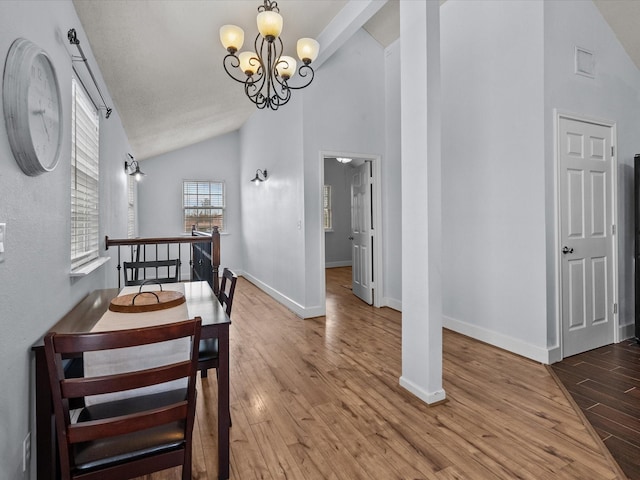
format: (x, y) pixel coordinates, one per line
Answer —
(265, 72)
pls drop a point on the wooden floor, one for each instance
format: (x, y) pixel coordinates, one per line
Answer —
(605, 384)
(319, 399)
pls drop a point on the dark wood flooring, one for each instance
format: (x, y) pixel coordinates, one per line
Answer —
(605, 384)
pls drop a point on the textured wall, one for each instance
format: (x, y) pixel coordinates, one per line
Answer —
(35, 286)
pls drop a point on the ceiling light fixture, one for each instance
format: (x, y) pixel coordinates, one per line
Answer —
(265, 72)
(344, 159)
(257, 180)
(133, 169)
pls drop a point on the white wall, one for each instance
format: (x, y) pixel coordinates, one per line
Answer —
(493, 173)
(614, 94)
(337, 246)
(160, 193)
(502, 81)
(273, 212)
(35, 287)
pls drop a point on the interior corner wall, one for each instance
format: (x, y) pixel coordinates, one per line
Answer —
(344, 111)
(160, 192)
(35, 287)
(614, 95)
(391, 182)
(493, 173)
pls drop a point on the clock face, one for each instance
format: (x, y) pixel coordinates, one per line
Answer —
(44, 111)
(32, 108)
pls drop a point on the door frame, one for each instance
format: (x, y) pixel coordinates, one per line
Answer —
(376, 203)
(557, 116)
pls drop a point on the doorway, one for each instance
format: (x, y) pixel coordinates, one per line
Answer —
(587, 228)
(352, 220)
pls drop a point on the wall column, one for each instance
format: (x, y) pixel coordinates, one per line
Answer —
(421, 200)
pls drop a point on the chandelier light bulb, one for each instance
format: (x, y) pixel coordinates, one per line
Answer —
(232, 37)
(249, 63)
(269, 24)
(308, 50)
(286, 67)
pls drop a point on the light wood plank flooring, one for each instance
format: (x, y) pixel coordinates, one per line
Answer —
(319, 399)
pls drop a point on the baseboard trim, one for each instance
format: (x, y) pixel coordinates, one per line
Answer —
(295, 307)
(343, 263)
(391, 303)
(429, 398)
(542, 355)
(626, 331)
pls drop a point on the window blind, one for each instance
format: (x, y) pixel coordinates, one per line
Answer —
(327, 214)
(84, 178)
(203, 204)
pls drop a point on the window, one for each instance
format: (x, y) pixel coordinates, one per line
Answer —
(326, 208)
(84, 178)
(131, 206)
(203, 204)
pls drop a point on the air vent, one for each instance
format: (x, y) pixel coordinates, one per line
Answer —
(585, 62)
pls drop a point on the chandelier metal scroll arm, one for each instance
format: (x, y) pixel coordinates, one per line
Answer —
(303, 72)
(269, 5)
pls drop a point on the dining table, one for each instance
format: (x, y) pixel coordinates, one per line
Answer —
(84, 317)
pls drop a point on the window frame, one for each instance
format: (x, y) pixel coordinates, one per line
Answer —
(212, 184)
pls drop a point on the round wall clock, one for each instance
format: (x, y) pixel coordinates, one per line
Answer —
(32, 108)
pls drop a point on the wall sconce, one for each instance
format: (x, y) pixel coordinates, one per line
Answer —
(133, 169)
(257, 178)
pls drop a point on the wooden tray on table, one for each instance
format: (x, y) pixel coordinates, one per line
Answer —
(146, 301)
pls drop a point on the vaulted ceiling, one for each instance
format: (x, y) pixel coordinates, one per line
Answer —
(162, 59)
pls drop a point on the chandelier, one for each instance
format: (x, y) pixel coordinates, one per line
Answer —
(265, 72)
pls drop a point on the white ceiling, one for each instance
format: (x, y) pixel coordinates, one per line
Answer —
(162, 59)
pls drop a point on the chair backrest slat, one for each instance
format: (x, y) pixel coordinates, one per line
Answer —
(94, 430)
(133, 270)
(227, 289)
(84, 387)
(97, 341)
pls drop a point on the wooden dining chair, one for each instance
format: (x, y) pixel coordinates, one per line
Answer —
(208, 354)
(135, 273)
(130, 437)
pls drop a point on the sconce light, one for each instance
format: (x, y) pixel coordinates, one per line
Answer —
(257, 178)
(133, 169)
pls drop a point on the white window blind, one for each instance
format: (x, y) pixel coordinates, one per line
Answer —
(84, 178)
(327, 214)
(131, 206)
(203, 204)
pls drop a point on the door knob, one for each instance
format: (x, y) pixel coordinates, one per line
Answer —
(566, 250)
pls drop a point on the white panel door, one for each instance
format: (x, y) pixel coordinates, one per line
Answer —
(586, 235)
(361, 233)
